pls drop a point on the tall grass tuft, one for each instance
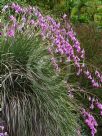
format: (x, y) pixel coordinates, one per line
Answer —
(34, 98)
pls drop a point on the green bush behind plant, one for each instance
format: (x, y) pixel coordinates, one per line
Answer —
(82, 11)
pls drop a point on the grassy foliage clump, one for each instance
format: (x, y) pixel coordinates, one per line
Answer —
(34, 98)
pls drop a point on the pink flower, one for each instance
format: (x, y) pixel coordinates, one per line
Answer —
(101, 113)
(13, 18)
(32, 22)
(4, 8)
(99, 105)
(90, 121)
(64, 16)
(11, 32)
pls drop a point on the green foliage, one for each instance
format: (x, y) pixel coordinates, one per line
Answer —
(34, 98)
(82, 11)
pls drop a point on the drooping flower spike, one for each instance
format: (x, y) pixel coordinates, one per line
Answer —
(59, 37)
